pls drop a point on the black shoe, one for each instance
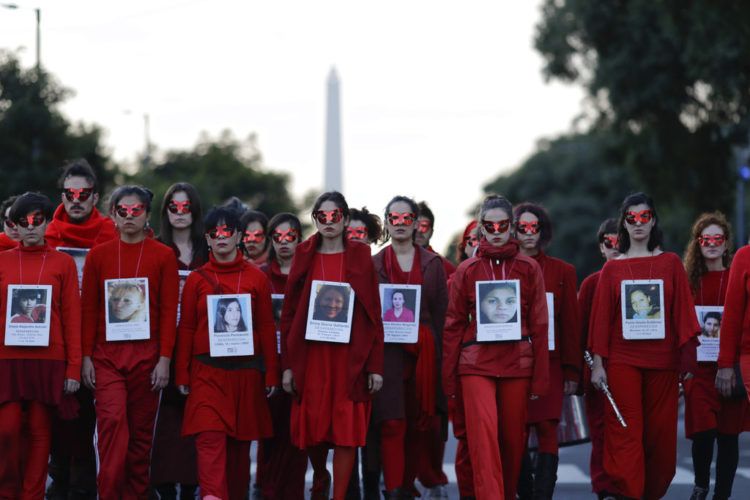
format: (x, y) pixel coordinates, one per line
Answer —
(526, 481)
(546, 476)
(699, 493)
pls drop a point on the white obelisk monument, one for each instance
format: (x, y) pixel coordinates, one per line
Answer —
(333, 169)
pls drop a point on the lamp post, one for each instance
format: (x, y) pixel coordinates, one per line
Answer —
(146, 162)
(38, 13)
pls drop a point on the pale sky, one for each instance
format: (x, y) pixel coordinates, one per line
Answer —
(437, 97)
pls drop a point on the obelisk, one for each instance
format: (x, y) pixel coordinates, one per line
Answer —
(333, 169)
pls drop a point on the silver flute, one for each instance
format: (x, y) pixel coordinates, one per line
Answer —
(603, 387)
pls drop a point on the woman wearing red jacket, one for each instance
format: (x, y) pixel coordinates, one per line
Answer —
(226, 407)
(332, 382)
(643, 348)
(127, 363)
(35, 374)
(534, 233)
(9, 235)
(281, 465)
(411, 392)
(495, 377)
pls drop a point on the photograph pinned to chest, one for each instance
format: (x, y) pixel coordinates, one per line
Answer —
(642, 303)
(182, 278)
(498, 310)
(329, 313)
(230, 325)
(709, 318)
(27, 317)
(127, 311)
(400, 312)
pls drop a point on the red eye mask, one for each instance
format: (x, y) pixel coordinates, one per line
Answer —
(134, 210)
(80, 195)
(424, 226)
(711, 240)
(528, 227)
(473, 241)
(401, 219)
(179, 207)
(610, 242)
(329, 216)
(290, 235)
(221, 232)
(493, 227)
(32, 220)
(356, 233)
(256, 236)
(644, 217)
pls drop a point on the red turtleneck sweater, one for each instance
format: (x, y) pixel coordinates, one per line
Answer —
(62, 232)
(45, 266)
(6, 243)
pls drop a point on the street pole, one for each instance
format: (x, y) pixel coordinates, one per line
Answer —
(38, 39)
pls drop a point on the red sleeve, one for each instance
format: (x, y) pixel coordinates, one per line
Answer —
(265, 327)
(169, 290)
(735, 305)
(684, 319)
(604, 314)
(70, 301)
(538, 330)
(585, 300)
(374, 363)
(90, 302)
(572, 352)
(456, 323)
(186, 330)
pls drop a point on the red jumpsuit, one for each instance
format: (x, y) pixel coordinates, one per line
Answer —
(34, 376)
(735, 341)
(496, 376)
(126, 407)
(643, 375)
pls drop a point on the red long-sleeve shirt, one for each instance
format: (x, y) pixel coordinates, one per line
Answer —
(585, 303)
(45, 266)
(146, 259)
(678, 311)
(237, 276)
(735, 323)
(496, 359)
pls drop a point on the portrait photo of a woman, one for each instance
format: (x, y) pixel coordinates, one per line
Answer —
(399, 310)
(332, 304)
(643, 302)
(229, 316)
(127, 303)
(498, 303)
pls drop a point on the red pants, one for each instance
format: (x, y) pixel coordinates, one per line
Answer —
(223, 465)
(595, 407)
(126, 410)
(641, 458)
(432, 450)
(546, 434)
(496, 432)
(27, 480)
(392, 434)
(463, 461)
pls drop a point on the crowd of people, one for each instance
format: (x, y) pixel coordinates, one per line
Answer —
(136, 365)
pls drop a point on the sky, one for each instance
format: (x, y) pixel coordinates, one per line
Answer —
(438, 98)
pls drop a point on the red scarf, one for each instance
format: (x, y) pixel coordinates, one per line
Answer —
(87, 234)
(6, 243)
(504, 252)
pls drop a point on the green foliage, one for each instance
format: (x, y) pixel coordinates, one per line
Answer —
(35, 138)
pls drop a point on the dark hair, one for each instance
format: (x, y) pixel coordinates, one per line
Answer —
(254, 216)
(236, 204)
(545, 224)
(401, 291)
(222, 214)
(494, 201)
(341, 290)
(278, 220)
(31, 202)
(25, 294)
(485, 289)
(78, 168)
(695, 264)
(372, 223)
(221, 309)
(142, 193)
(712, 314)
(609, 226)
(200, 249)
(5, 205)
(424, 211)
(654, 238)
(334, 196)
(461, 245)
(650, 291)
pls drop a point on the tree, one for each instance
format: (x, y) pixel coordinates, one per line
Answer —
(35, 138)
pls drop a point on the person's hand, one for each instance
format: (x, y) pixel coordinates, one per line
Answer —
(687, 376)
(598, 377)
(88, 377)
(160, 375)
(270, 391)
(287, 382)
(570, 387)
(70, 386)
(374, 382)
(183, 389)
(725, 381)
(534, 397)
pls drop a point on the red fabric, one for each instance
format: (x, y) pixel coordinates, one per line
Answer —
(364, 353)
(392, 434)
(27, 481)
(503, 359)
(585, 303)
(45, 266)
(116, 259)
(237, 276)
(37, 380)
(595, 408)
(496, 432)
(745, 368)
(680, 321)
(641, 458)
(125, 416)
(464, 472)
(549, 406)
(431, 453)
(278, 279)
(6, 243)
(223, 465)
(62, 232)
(448, 266)
(343, 464)
(736, 318)
(546, 433)
(284, 465)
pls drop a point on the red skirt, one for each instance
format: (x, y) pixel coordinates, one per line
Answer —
(230, 401)
(549, 406)
(325, 413)
(40, 380)
(706, 409)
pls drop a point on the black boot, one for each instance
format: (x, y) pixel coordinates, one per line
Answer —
(727, 459)
(166, 491)
(187, 491)
(394, 494)
(546, 476)
(59, 471)
(526, 481)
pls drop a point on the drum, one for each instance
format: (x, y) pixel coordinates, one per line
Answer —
(573, 428)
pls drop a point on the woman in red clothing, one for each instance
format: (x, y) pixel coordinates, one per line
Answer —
(255, 236)
(496, 375)
(281, 465)
(534, 232)
(643, 355)
(9, 235)
(411, 392)
(364, 226)
(127, 364)
(226, 407)
(595, 400)
(709, 417)
(36, 366)
(332, 383)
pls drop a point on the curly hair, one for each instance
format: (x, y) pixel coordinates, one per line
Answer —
(695, 264)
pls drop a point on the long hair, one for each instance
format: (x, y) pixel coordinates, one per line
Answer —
(197, 238)
(371, 221)
(276, 221)
(695, 264)
(545, 223)
(413, 206)
(220, 325)
(654, 238)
